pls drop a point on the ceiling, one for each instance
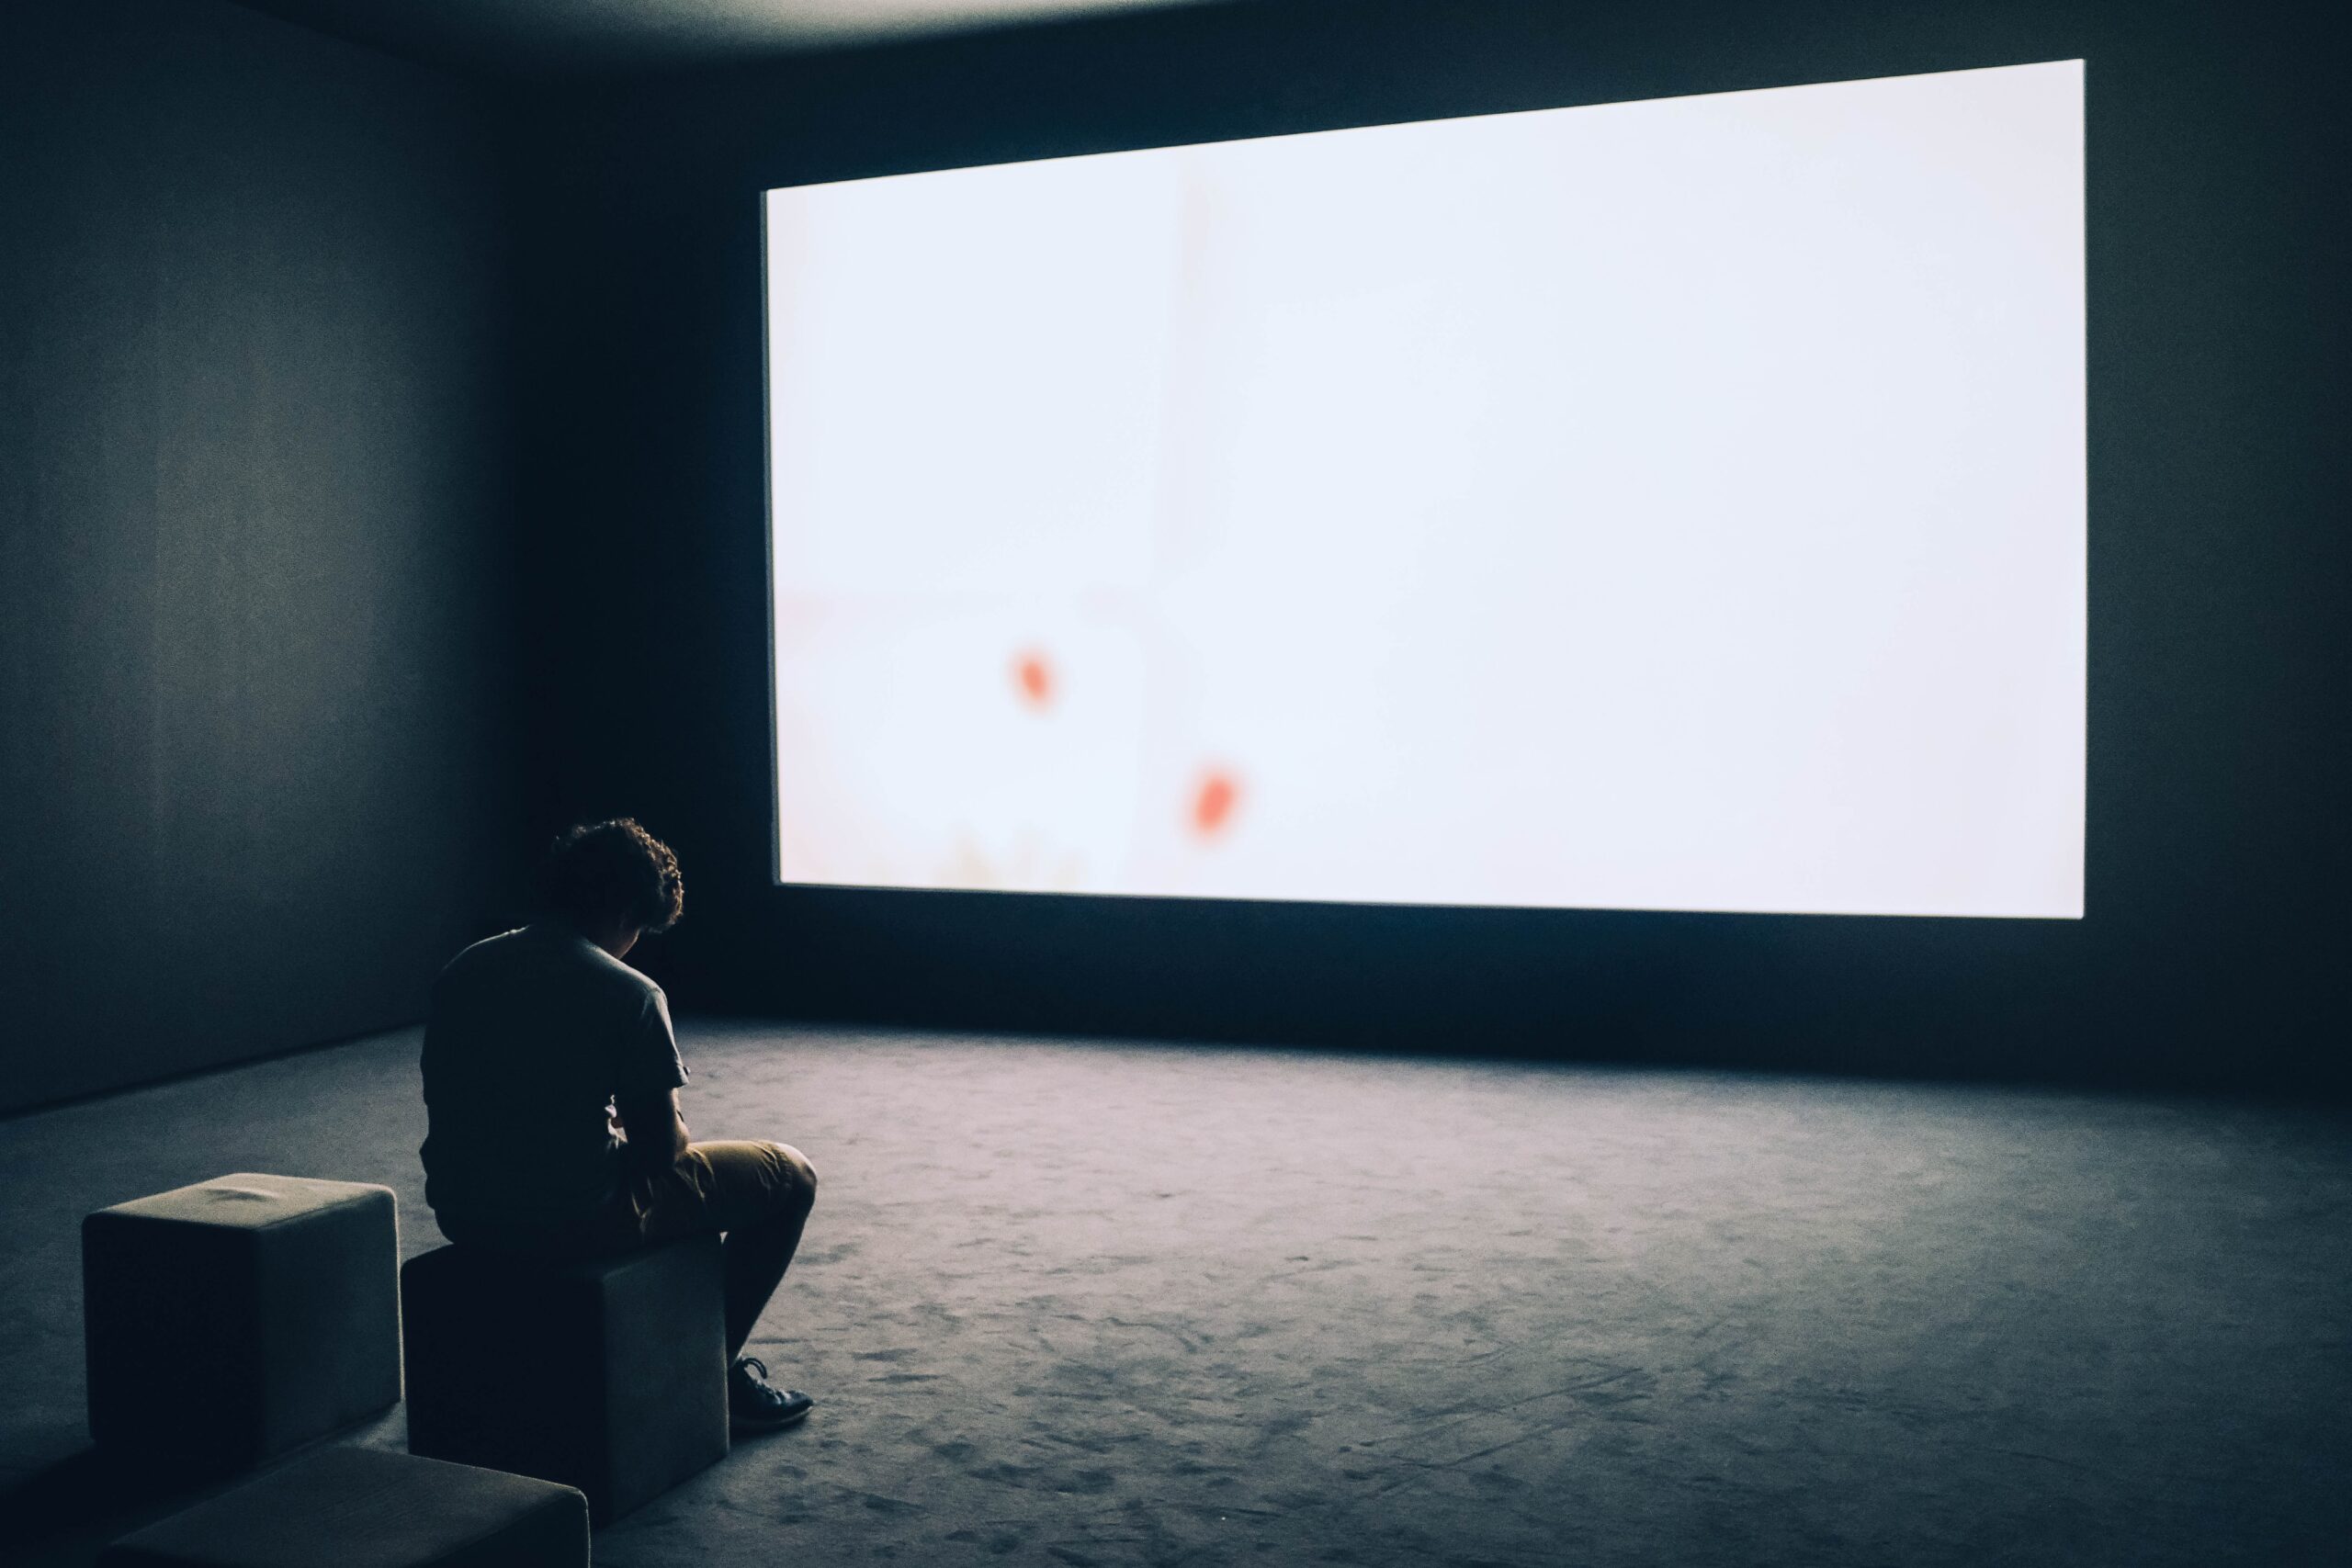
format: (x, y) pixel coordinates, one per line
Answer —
(547, 38)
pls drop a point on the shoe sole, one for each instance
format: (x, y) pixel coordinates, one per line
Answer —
(736, 1424)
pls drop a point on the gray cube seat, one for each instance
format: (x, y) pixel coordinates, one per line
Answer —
(609, 1375)
(366, 1508)
(240, 1317)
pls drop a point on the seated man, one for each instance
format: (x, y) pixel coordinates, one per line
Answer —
(551, 1090)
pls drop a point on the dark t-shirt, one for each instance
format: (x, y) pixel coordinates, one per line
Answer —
(531, 1036)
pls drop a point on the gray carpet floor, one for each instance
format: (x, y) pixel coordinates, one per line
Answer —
(1111, 1304)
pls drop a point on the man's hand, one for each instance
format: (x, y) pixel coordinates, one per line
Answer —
(655, 1130)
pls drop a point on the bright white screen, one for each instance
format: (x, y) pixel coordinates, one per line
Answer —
(1663, 505)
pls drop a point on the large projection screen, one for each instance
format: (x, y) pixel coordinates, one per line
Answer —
(1668, 505)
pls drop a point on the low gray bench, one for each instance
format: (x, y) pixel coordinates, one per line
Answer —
(240, 1317)
(366, 1508)
(608, 1375)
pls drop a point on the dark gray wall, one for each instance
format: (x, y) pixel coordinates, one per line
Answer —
(256, 535)
(2219, 843)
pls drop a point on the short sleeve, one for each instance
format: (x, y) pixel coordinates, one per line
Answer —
(648, 1063)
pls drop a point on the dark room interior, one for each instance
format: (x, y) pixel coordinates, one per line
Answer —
(386, 488)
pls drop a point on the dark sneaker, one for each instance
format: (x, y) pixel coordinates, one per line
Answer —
(755, 1404)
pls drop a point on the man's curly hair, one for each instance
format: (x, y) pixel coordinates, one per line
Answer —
(600, 872)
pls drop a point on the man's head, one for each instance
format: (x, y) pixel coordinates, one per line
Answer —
(611, 881)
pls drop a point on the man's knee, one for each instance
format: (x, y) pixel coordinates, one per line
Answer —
(797, 1179)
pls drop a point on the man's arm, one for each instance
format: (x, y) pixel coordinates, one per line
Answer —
(655, 1128)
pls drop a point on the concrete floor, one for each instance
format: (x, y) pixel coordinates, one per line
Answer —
(1095, 1303)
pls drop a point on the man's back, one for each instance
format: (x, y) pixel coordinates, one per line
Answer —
(531, 1035)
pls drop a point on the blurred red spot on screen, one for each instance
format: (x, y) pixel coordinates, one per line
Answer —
(1212, 802)
(1034, 677)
